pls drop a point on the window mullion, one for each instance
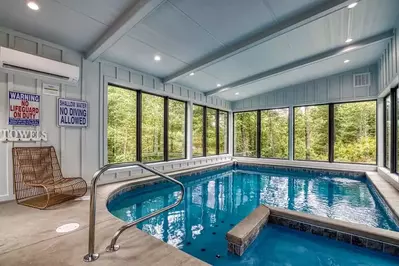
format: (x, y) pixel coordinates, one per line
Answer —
(166, 129)
(258, 134)
(139, 126)
(331, 135)
(393, 136)
(204, 131)
(217, 132)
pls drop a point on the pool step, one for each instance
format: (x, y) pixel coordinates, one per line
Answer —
(244, 233)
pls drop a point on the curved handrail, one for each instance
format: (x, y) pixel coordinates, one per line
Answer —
(91, 256)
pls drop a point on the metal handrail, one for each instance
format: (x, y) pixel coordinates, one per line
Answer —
(91, 256)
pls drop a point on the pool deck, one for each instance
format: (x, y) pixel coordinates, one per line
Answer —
(28, 235)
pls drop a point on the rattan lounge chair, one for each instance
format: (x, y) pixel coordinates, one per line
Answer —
(38, 181)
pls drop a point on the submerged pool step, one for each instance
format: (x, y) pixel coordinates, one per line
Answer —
(244, 233)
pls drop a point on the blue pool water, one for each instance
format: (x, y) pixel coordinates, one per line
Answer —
(216, 201)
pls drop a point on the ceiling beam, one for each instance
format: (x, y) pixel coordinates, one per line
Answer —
(306, 61)
(122, 25)
(321, 10)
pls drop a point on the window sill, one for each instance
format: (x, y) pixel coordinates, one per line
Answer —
(391, 178)
(313, 164)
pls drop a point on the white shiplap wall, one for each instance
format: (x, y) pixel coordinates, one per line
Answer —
(67, 141)
(336, 88)
(82, 151)
(388, 65)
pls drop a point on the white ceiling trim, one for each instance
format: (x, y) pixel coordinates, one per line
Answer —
(317, 12)
(305, 61)
(139, 10)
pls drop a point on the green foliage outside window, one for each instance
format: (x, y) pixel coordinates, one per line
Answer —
(223, 132)
(245, 125)
(355, 132)
(274, 133)
(121, 131)
(176, 130)
(152, 128)
(210, 131)
(311, 133)
(198, 130)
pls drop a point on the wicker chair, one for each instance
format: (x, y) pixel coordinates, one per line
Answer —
(38, 181)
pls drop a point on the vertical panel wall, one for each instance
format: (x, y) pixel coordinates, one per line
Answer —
(336, 88)
(82, 151)
(67, 141)
(388, 64)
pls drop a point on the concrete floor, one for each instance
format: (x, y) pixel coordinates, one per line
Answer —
(28, 237)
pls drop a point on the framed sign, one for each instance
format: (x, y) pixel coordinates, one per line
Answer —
(24, 109)
(72, 113)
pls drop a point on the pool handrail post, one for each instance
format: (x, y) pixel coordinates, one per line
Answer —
(91, 256)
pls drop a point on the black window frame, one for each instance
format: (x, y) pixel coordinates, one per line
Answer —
(204, 131)
(257, 132)
(227, 132)
(376, 132)
(393, 96)
(139, 124)
(260, 132)
(385, 131)
(329, 133)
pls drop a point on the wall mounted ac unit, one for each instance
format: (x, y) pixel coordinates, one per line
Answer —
(16, 62)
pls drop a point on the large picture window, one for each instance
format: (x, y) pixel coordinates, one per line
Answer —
(210, 131)
(245, 134)
(144, 127)
(198, 131)
(223, 132)
(152, 128)
(355, 132)
(176, 130)
(311, 133)
(387, 131)
(274, 133)
(122, 125)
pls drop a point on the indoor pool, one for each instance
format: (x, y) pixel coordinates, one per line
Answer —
(215, 201)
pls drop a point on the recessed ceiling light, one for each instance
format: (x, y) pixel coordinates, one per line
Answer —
(192, 74)
(218, 85)
(352, 5)
(237, 93)
(157, 58)
(67, 228)
(348, 40)
(346, 61)
(33, 5)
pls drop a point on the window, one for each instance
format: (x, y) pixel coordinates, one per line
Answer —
(245, 134)
(397, 129)
(311, 138)
(355, 132)
(387, 131)
(152, 128)
(122, 128)
(223, 132)
(176, 130)
(274, 133)
(198, 131)
(210, 131)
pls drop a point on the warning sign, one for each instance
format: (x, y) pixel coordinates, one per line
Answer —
(24, 109)
(72, 113)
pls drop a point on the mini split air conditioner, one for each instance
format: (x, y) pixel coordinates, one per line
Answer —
(16, 62)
